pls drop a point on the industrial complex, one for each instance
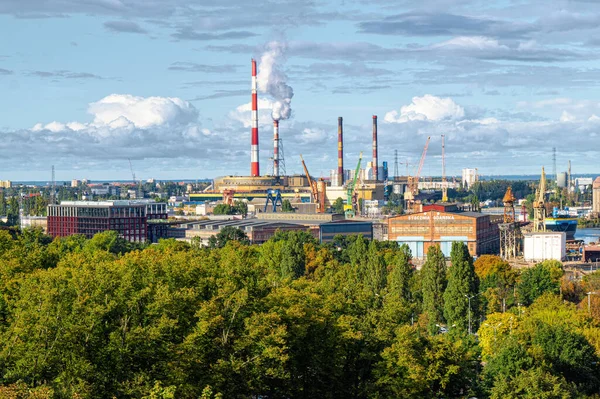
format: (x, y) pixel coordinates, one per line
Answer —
(348, 202)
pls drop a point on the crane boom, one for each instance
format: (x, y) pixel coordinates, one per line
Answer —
(131, 168)
(421, 162)
(313, 188)
(444, 184)
(350, 212)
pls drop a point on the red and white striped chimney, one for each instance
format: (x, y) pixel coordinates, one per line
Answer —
(375, 165)
(275, 148)
(254, 164)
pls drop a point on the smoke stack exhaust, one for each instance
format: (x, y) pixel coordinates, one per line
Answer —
(340, 152)
(254, 165)
(375, 164)
(275, 148)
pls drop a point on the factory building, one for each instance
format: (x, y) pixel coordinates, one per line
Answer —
(328, 231)
(129, 218)
(442, 225)
(596, 196)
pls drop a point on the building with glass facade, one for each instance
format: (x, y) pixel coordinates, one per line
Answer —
(128, 218)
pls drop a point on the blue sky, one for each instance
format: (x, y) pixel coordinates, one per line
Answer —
(86, 85)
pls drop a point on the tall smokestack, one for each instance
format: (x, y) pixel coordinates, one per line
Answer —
(254, 165)
(340, 152)
(375, 164)
(275, 148)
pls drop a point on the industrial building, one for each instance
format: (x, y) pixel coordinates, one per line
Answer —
(328, 231)
(130, 219)
(442, 225)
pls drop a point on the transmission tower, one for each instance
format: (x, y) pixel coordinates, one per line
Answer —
(282, 171)
(396, 172)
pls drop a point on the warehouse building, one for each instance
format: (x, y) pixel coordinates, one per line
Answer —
(443, 225)
(345, 228)
(128, 218)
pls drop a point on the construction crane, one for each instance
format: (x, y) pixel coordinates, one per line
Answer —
(539, 205)
(314, 187)
(444, 182)
(139, 193)
(413, 181)
(351, 200)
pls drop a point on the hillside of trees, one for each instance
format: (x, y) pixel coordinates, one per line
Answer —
(102, 318)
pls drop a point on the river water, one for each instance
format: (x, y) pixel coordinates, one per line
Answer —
(587, 235)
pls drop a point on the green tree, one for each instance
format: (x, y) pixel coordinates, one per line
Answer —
(223, 209)
(433, 276)
(540, 279)
(286, 206)
(338, 205)
(226, 234)
(462, 285)
(536, 383)
(241, 207)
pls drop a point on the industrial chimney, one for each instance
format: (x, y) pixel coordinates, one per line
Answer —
(340, 152)
(254, 165)
(375, 164)
(275, 148)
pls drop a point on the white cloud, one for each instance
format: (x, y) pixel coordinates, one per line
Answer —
(143, 112)
(470, 42)
(427, 108)
(567, 117)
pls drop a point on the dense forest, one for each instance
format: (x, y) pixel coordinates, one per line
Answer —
(102, 318)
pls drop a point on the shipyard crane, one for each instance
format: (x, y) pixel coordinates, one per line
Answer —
(413, 181)
(314, 188)
(444, 182)
(351, 200)
(539, 205)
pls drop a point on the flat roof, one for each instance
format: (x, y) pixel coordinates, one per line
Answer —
(107, 203)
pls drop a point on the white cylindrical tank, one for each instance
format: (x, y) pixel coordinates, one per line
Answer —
(542, 246)
(561, 180)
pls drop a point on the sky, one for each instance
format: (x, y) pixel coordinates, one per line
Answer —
(87, 85)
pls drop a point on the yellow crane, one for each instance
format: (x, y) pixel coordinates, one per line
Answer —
(539, 205)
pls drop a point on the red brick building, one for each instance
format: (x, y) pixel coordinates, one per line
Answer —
(128, 218)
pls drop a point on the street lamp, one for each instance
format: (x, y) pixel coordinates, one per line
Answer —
(589, 294)
(469, 298)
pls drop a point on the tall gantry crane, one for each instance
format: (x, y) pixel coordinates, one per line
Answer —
(444, 182)
(413, 181)
(351, 200)
(539, 205)
(314, 188)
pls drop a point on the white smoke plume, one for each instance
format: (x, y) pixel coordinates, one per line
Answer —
(272, 80)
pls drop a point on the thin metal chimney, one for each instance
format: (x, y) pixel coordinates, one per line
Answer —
(375, 164)
(340, 152)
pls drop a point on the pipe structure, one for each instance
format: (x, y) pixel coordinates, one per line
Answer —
(375, 164)
(340, 152)
(275, 148)
(254, 163)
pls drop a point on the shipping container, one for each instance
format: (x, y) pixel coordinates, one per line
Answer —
(542, 246)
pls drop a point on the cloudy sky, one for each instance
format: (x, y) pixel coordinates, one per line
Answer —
(85, 85)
